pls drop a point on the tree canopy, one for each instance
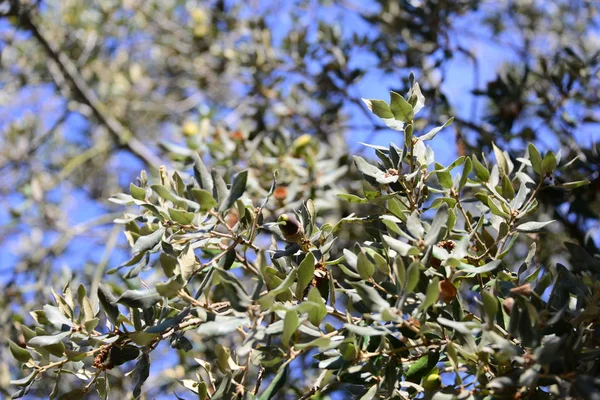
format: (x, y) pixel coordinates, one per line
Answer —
(186, 209)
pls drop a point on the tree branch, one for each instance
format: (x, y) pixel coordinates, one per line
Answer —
(120, 134)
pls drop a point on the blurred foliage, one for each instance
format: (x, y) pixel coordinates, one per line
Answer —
(93, 92)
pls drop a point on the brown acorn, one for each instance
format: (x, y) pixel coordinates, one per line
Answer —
(292, 231)
(447, 291)
(290, 228)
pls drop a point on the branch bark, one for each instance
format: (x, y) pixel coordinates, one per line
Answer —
(120, 134)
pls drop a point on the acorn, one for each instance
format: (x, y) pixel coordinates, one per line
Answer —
(290, 228)
(292, 231)
(432, 382)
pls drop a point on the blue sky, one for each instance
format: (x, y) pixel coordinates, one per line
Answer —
(457, 86)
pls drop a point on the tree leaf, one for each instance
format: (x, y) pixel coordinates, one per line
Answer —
(205, 199)
(365, 267)
(181, 216)
(365, 330)
(139, 298)
(500, 160)
(290, 324)
(238, 187)
(400, 108)
(431, 294)
(444, 176)
(148, 242)
(470, 269)
(439, 221)
(20, 354)
(221, 326)
(414, 225)
(480, 170)
(202, 175)
(533, 226)
(220, 191)
(277, 382)
(171, 287)
(41, 341)
(379, 108)
(535, 158)
(549, 163)
(108, 302)
(306, 272)
(467, 168)
(403, 249)
(57, 318)
(412, 276)
(141, 372)
(432, 133)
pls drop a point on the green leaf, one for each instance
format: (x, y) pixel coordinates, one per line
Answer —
(480, 170)
(41, 341)
(414, 225)
(536, 158)
(439, 221)
(574, 185)
(431, 294)
(141, 372)
(403, 249)
(238, 187)
(171, 287)
(370, 394)
(205, 199)
(57, 318)
(370, 296)
(400, 108)
(290, 325)
(432, 133)
(137, 193)
(412, 276)
(365, 267)
(221, 326)
(139, 298)
(467, 168)
(148, 242)
(108, 304)
(121, 355)
(282, 288)
(166, 194)
(500, 160)
(444, 176)
(379, 108)
(316, 314)
(533, 226)
(202, 175)
(549, 163)
(372, 171)
(277, 382)
(470, 269)
(423, 366)
(490, 305)
(169, 322)
(20, 354)
(365, 330)
(180, 216)
(352, 198)
(220, 191)
(25, 380)
(306, 272)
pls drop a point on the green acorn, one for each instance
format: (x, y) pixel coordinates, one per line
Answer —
(432, 382)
